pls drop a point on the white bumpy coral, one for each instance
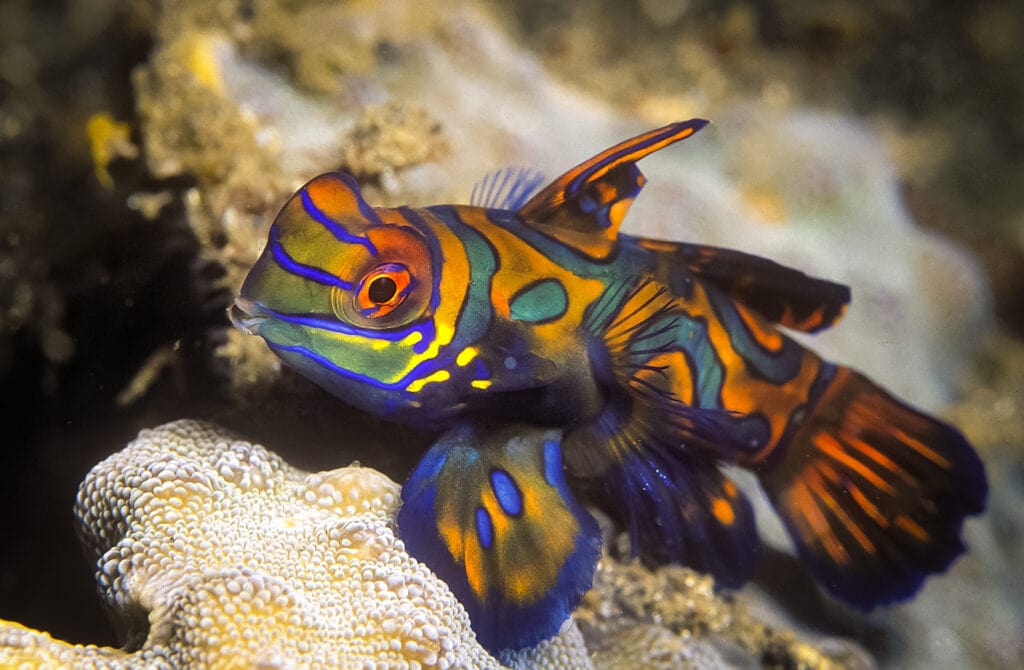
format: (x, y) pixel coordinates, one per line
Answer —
(213, 553)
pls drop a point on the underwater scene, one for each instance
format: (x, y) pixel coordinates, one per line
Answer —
(522, 334)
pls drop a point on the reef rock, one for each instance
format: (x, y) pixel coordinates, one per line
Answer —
(213, 552)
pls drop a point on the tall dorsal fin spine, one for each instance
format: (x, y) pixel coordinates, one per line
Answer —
(597, 167)
(633, 150)
(584, 207)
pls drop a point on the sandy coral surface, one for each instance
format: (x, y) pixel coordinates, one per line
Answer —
(212, 552)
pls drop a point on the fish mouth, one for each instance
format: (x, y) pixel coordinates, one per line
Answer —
(247, 315)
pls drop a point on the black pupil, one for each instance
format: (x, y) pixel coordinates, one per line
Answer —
(382, 289)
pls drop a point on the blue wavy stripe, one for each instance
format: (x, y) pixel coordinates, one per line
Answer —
(333, 226)
(777, 367)
(426, 328)
(305, 271)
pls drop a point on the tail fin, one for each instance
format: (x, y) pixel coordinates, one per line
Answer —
(873, 492)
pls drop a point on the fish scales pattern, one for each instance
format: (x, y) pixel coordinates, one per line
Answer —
(563, 361)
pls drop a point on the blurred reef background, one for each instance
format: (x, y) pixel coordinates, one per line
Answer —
(146, 146)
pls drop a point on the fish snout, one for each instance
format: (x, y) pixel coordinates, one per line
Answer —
(246, 315)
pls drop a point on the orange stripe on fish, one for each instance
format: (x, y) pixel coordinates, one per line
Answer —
(649, 364)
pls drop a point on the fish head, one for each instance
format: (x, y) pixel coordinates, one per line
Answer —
(344, 296)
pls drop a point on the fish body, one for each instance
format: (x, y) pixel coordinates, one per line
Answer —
(565, 359)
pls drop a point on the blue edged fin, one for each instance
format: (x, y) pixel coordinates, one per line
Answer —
(781, 294)
(676, 508)
(507, 188)
(873, 492)
(489, 511)
(584, 207)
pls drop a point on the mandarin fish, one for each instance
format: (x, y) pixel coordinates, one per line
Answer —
(569, 363)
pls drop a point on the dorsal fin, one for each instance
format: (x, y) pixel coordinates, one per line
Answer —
(507, 188)
(585, 206)
(781, 294)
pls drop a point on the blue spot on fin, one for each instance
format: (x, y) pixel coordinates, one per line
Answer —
(484, 528)
(519, 579)
(508, 188)
(507, 492)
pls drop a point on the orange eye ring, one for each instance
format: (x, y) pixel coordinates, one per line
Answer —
(382, 289)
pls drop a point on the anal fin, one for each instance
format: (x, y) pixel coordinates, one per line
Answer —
(677, 506)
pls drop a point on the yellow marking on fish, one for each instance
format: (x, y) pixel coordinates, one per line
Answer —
(437, 376)
(617, 212)
(466, 356)
(921, 448)
(407, 341)
(350, 341)
(869, 507)
(760, 329)
(475, 570)
(819, 489)
(523, 264)
(832, 448)
(744, 392)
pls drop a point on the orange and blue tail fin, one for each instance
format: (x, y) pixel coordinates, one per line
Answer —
(873, 492)
(489, 511)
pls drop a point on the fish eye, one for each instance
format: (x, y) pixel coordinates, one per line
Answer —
(382, 289)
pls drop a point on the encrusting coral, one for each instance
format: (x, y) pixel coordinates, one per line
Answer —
(213, 552)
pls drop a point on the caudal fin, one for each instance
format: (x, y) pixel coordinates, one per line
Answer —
(874, 492)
